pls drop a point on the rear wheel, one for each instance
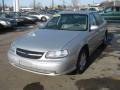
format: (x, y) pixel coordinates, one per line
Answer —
(82, 61)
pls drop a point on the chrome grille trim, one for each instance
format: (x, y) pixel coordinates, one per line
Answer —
(29, 54)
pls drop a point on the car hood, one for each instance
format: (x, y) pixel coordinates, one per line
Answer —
(45, 40)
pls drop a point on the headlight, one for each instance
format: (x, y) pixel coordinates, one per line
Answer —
(3, 22)
(12, 48)
(57, 54)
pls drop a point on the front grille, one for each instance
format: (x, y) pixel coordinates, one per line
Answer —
(29, 54)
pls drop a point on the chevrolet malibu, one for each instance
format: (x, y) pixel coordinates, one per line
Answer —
(60, 46)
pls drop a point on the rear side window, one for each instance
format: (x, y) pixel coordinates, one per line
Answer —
(92, 20)
(99, 19)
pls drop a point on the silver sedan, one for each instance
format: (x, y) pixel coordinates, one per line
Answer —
(60, 46)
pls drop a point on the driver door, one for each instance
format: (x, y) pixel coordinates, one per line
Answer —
(93, 34)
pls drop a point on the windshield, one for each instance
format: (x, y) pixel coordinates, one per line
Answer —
(73, 22)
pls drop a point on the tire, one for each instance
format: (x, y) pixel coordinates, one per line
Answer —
(1, 26)
(105, 38)
(43, 19)
(82, 61)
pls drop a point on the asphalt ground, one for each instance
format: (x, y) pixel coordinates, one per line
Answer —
(103, 72)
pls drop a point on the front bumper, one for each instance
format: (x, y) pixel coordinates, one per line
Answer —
(44, 67)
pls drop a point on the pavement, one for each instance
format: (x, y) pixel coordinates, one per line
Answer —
(103, 72)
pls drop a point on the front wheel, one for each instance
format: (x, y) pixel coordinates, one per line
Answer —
(82, 61)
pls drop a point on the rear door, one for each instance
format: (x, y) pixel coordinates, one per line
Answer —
(93, 36)
(102, 27)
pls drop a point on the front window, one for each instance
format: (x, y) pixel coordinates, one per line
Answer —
(73, 22)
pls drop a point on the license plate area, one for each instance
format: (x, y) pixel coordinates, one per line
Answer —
(27, 63)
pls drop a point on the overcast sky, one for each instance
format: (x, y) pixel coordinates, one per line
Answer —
(49, 2)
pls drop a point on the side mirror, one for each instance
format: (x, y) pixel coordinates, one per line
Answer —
(93, 27)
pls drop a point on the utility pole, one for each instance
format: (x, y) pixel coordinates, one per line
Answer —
(34, 3)
(63, 3)
(3, 4)
(52, 4)
(114, 2)
(93, 2)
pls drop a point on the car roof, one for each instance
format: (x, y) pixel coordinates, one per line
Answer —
(87, 12)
